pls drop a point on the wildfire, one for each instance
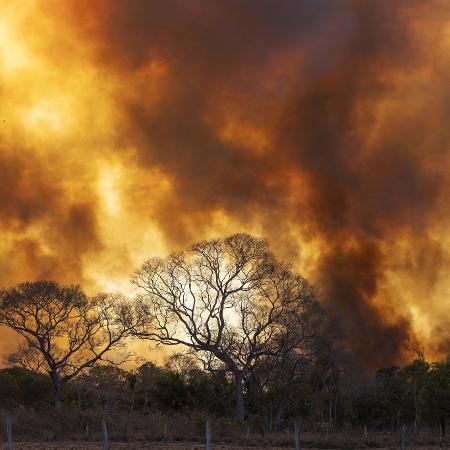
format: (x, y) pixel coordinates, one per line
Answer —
(128, 132)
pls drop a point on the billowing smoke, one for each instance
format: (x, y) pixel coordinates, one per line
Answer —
(320, 125)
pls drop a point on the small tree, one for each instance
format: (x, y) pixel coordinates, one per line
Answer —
(436, 394)
(415, 374)
(26, 357)
(69, 330)
(230, 302)
(103, 387)
(391, 396)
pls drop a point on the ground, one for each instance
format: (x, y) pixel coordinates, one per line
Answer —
(157, 446)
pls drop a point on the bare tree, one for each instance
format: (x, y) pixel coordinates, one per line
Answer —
(70, 331)
(229, 301)
(27, 357)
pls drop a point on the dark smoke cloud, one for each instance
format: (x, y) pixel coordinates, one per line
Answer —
(219, 46)
(351, 277)
(366, 193)
(355, 110)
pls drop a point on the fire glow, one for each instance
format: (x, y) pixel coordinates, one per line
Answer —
(131, 132)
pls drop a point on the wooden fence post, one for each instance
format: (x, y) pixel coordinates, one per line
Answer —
(9, 433)
(297, 435)
(208, 434)
(403, 436)
(86, 431)
(105, 434)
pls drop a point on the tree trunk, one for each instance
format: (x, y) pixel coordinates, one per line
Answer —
(57, 385)
(132, 401)
(239, 396)
(330, 415)
(335, 409)
(279, 414)
(146, 402)
(271, 416)
(416, 407)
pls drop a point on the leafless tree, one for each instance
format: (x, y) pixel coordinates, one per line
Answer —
(229, 301)
(70, 331)
(27, 357)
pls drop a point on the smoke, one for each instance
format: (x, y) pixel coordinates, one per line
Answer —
(30, 197)
(321, 125)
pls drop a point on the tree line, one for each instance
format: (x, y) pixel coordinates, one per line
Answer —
(251, 342)
(318, 393)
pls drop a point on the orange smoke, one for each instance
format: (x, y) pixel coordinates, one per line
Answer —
(129, 129)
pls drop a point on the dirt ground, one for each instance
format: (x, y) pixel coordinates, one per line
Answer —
(122, 446)
(154, 446)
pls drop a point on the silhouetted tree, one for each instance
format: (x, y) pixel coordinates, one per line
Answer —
(230, 302)
(27, 357)
(436, 393)
(103, 387)
(391, 397)
(415, 374)
(70, 331)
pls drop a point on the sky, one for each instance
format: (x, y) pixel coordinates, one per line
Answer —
(129, 129)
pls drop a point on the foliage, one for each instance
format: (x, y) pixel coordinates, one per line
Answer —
(20, 386)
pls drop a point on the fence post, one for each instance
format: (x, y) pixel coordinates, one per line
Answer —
(297, 435)
(105, 434)
(9, 433)
(165, 432)
(403, 436)
(208, 434)
(365, 432)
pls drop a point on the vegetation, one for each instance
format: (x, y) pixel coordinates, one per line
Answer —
(256, 350)
(182, 394)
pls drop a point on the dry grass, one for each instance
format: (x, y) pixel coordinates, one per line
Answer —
(133, 432)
